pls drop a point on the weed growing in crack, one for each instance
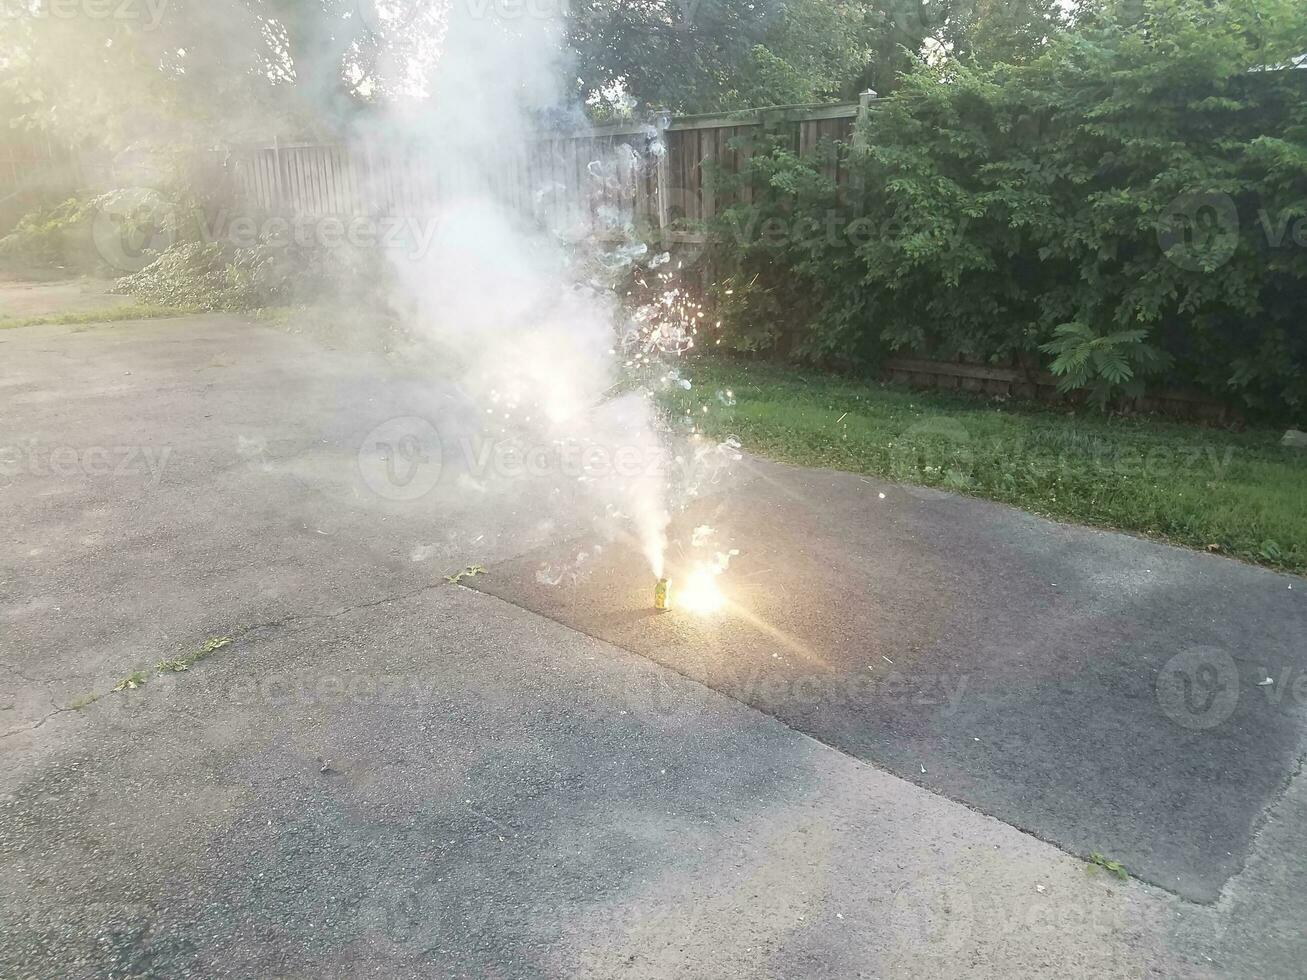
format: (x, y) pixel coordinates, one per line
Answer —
(139, 678)
(1096, 861)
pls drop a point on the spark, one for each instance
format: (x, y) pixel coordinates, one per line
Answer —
(700, 593)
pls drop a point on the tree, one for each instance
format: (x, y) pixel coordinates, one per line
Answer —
(708, 55)
(972, 32)
(1125, 202)
(186, 71)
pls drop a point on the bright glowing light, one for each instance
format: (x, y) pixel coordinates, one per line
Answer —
(700, 593)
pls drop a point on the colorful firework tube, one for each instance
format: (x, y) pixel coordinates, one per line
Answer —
(663, 595)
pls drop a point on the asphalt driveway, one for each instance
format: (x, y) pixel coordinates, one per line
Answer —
(1100, 691)
(376, 770)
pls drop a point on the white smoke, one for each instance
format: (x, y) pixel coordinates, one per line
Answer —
(507, 296)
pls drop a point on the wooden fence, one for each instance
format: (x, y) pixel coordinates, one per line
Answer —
(1023, 377)
(614, 176)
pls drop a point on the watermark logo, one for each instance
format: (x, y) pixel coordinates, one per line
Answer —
(569, 459)
(132, 226)
(393, 16)
(1199, 689)
(402, 460)
(146, 13)
(409, 234)
(832, 229)
(123, 463)
(658, 696)
(401, 17)
(1199, 232)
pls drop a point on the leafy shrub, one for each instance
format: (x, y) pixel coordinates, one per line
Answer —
(219, 276)
(207, 277)
(1125, 204)
(1102, 365)
(53, 236)
(71, 236)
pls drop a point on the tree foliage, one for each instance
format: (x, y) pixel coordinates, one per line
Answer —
(191, 72)
(1125, 204)
(212, 70)
(708, 55)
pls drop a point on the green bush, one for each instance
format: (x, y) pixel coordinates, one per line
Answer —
(208, 277)
(221, 276)
(83, 234)
(55, 236)
(1123, 209)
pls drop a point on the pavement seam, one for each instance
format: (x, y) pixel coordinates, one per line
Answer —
(272, 625)
(1142, 882)
(1260, 825)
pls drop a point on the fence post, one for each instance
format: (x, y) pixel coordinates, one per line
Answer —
(276, 162)
(862, 123)
(663, 171)
(861, 136)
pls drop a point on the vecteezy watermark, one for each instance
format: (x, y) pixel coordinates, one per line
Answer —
(660, 696)
(148, 13)
(1199, 689)
(941, 454)
(402, 459)
(132, 226)
(1200, 231)
(932, 917)
(832, 228)
(568, 459)
(329, 689)
(409, 234)
(936, 451)
(96, 462)
(396, 17)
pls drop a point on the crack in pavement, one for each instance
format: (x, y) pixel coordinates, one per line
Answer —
(27, 677)
(33, 727)
(242, 633)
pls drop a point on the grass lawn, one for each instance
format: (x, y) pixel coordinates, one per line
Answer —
(1239, 493)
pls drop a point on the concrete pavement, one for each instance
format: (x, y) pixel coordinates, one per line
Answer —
(385, 773)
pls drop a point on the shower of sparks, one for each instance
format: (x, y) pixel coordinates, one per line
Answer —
(669, 323)
(700, 592)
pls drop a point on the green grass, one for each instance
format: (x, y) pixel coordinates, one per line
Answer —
(1237, 493)
(112, 314)
(1096, 861)
(140, 678)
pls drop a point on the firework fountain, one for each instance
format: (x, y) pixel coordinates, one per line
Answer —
(527, 308)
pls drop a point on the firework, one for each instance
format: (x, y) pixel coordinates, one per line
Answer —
(663, 595)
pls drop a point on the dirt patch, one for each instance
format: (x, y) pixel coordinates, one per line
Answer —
(28, 299)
